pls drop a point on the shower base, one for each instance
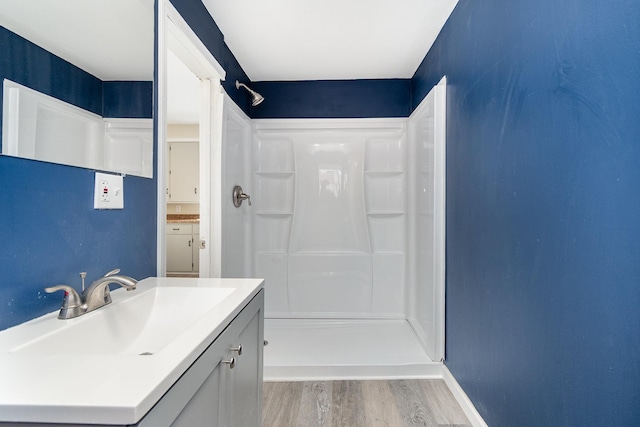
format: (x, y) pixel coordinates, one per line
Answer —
(314, 349)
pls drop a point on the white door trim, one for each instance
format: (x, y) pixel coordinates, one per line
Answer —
(175, 34)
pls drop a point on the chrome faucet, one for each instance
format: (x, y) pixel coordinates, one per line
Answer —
(94, 297)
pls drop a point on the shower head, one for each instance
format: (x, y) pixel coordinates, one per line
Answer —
(256, 98)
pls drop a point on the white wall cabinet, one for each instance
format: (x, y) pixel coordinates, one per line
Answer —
(223, 388)
(183, 247)
(183, 172)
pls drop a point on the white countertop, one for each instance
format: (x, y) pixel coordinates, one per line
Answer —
(106, 389)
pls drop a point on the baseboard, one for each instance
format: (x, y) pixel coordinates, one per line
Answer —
(463, 400)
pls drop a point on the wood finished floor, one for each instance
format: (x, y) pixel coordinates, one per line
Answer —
(394, 403)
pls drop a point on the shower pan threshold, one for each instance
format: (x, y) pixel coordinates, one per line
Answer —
(324, 349)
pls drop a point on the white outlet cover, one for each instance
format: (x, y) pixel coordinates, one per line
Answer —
(109, 191)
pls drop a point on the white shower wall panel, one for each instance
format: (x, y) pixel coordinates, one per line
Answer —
(273, 232)
(387, 232)
(330, 284)
(330, 214)
(330, 220)
(236, 253)
(274, 192)
(274, 267)
(388, 283)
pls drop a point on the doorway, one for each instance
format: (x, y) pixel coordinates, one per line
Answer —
(182, 169)
(189, 135)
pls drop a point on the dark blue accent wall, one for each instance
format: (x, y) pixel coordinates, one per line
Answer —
(305, 99)
(49, 231)
(130, 99)
(34, 67)
(31, 66)
(203, 25)
(543, 208)
(333, 99)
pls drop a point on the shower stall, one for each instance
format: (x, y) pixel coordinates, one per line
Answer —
(347, 228)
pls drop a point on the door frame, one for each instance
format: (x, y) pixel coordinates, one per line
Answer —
(174, 33)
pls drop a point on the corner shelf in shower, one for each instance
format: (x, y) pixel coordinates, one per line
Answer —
(386, 214)
(384, 173)
(273, 214)
(275, 174)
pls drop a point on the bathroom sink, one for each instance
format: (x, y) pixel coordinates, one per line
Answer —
(113, 364)
(138, 325)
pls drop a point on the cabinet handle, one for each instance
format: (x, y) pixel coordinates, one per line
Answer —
(190, 243)
(231, 362)
(237, 349)
(195, 190)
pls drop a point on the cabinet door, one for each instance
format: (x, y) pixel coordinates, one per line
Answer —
(245, 385)
(179, 252)
(184, 172)
(199, 398)
(196, 248)
(215, 392)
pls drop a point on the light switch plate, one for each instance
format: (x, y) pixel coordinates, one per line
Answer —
(109, 191)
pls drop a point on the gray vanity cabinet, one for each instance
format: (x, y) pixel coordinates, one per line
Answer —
(222, 388)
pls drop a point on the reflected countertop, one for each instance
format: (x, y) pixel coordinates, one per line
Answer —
(183, 218)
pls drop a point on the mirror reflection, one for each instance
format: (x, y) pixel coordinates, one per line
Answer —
(95, 56)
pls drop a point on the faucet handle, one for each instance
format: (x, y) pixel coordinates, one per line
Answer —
(71, 304)
(112, 272)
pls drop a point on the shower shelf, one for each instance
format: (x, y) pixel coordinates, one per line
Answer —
(267, 213)
(383, 214)
(275, 174)
(384, 173)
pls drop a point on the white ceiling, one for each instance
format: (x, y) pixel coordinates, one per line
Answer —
(272, 39)
(329, 39)
(113, 40)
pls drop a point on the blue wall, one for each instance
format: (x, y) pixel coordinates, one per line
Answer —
(311, 99)
(543, 203)
(31, 66)
(131, 99)
(200, 21)
(49, 231)
(333, 99)
(34, 67)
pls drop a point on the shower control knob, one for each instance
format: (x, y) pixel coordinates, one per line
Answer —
(239, 196)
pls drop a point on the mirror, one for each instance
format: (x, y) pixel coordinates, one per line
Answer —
(93, 56)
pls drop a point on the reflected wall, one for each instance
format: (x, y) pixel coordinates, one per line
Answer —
(48, 227)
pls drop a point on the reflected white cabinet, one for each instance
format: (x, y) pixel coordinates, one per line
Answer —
(184, 172)
(182, 247)
(195, 248)
(223, 388)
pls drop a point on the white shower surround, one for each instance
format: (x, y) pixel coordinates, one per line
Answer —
(355, 290)
(330, 219)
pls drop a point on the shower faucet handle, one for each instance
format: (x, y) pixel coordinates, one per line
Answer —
(239, 196)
